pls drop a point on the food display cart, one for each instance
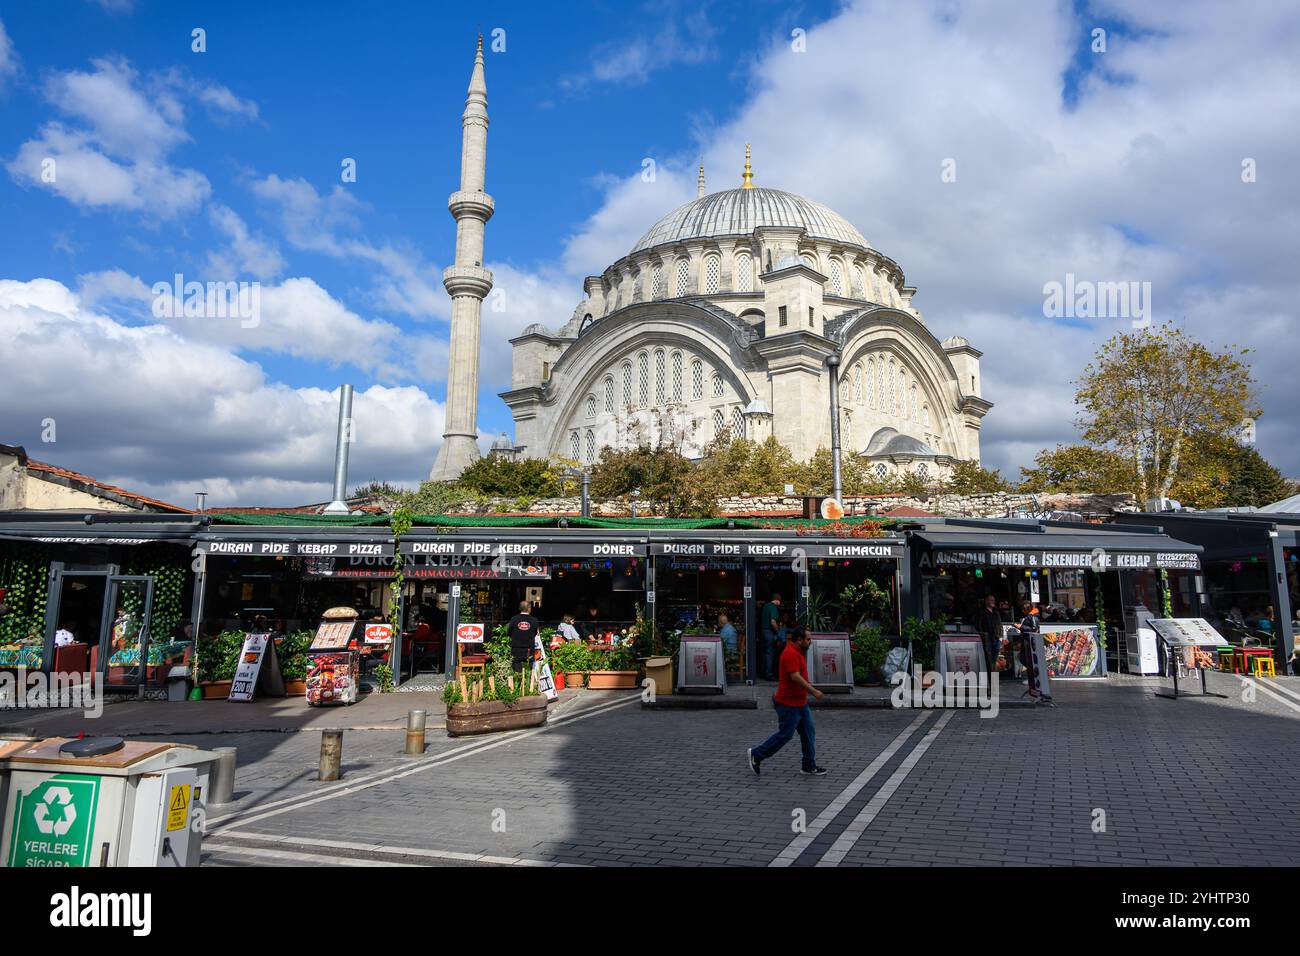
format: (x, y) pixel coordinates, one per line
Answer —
(334, 659)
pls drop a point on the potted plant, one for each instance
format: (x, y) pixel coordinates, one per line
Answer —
(572, 659)
(489, 704)
(292, 651)
(620, 668)
(218, 658)
(868, 648)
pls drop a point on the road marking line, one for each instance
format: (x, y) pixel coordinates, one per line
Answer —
(373, 851)
(259, 814)
(1270, 690)
(290, 857)
(560, 721)
(853, 832)
(801, 842)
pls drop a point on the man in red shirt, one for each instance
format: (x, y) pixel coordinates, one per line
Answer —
(791, 702)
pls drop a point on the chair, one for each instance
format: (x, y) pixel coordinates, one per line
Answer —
(1227, 658)
(1259, 664)
(469, 663)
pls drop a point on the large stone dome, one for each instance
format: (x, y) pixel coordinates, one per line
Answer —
(736, 212)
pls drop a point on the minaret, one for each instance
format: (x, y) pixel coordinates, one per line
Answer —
(467, 282)
(699, 183)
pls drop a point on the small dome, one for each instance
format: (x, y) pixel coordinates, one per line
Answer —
(738, 212)
(956, 342)
(888, 441)
(537, 329)
(502, 443)
(757, 407)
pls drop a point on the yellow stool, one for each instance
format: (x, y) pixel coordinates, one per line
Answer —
(1226, 659)
(1259, 664)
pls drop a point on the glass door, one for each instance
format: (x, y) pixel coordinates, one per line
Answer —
(124, 641)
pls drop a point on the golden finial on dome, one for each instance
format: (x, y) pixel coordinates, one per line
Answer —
(747, 181)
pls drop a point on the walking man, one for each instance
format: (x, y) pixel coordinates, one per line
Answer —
(523, 630)
(989, 623)
(792, 711)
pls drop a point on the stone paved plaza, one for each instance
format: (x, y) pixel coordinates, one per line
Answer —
(1112, 776)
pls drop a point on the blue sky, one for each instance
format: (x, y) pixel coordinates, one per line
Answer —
(226, 165)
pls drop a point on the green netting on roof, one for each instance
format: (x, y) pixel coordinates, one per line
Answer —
(525, 521)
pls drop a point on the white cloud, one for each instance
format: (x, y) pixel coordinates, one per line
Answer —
(245, 253)
(8, 57)
(631, 62)
(222, 103)
(149, 408)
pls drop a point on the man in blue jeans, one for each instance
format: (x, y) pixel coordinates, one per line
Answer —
(792, 711)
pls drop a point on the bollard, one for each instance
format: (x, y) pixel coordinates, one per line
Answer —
(331, 754)
(415, 732)
(222, 783)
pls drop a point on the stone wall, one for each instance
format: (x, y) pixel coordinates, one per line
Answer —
(993, 505)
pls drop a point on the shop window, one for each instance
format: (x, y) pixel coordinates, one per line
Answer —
(683, 277)
(712, 275)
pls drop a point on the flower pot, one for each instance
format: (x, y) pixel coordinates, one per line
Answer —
(611, 680)
(216, 689)
(574, 679)
(295, 688)
(492, 716)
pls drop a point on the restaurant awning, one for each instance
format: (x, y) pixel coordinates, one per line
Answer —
(1098, 551)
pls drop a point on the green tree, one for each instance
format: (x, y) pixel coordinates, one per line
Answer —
(1077, 468)
(970, 478)
(1253, 481)
(1150, 395)
(661, 474)
(500, 476)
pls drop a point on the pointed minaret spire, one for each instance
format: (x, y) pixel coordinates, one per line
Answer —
(468, 283)
(699, 185)
(747, 180)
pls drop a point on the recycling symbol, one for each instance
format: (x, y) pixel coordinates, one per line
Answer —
(58, 800)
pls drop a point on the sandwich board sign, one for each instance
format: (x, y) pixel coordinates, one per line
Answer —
(258, 670)
(542, 667)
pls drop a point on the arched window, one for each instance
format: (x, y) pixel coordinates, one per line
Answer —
(591, 445)
(836, 284)
(627, 384)
(591, 406)
(892, 406)
(737, 423)
(860, 282)
(659, 376)
(925, 415)
(573, 445)
(717, 385)
(609, 394)
(712, 274)
(677, 376)
(807, 260)
(719, 423)
(697, 379)
(916, 405)
(657, 282)
(901, 409)
(857, 383)
(744, 278)
(880, 383)
(844, 390)
(643, 377)
(881, 470)
(683, 277)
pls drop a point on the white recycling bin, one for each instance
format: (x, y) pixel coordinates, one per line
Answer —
(138, 804)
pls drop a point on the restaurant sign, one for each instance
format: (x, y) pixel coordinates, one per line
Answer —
(776, 551)
(443, 567)
(522, 549)
(1098, 559)
(298, 549)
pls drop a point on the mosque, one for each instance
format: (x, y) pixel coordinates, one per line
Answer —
(735, 314)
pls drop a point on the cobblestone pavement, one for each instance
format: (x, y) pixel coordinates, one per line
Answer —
(1111, 776)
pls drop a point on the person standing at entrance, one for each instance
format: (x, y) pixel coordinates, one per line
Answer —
(770, 624)
(523, 630)
(989, 622)
(793, 714)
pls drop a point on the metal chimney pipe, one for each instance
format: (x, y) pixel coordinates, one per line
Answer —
(339, 506)
(833, 362)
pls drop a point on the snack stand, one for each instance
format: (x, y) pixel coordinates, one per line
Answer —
(333, 659)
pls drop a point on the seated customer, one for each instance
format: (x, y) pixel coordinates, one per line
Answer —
(727, 631)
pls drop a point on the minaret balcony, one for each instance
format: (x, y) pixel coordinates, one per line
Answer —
(467, 280)
(474, 204)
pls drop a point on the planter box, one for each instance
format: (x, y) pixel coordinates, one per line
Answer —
(216, 689)
(573, 679)
(491, 716)
(295, 688)
(611, 680)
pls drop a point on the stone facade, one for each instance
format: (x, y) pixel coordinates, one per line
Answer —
(737, 298)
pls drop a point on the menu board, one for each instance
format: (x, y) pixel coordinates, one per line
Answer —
(1072, 650)
(830, 661)
(1187, 631)
(332, 636)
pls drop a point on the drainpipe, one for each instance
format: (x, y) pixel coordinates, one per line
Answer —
(833, 363)
(339, 506)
